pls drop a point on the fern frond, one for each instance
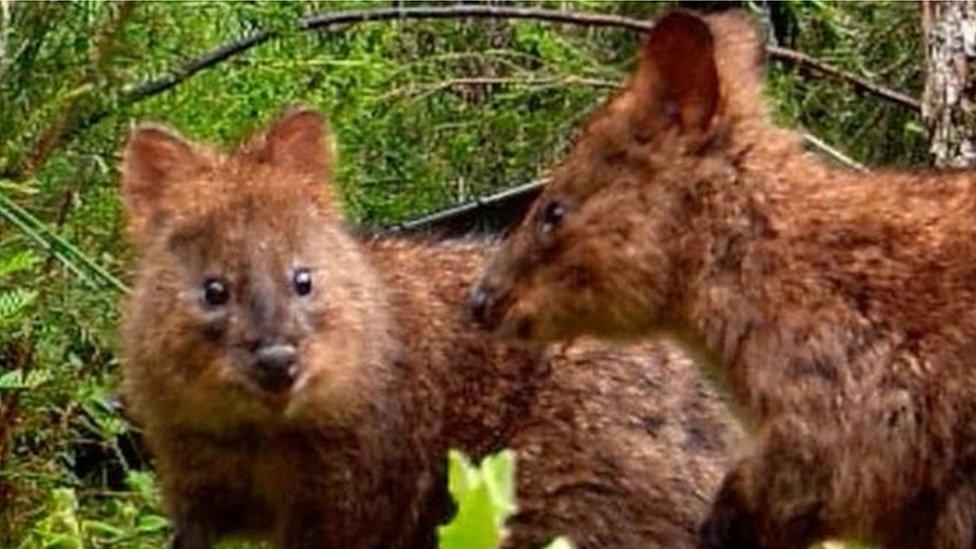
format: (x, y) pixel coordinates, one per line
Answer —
(13, 303)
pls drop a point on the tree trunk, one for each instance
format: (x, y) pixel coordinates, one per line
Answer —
(4, 33)
(949, 101)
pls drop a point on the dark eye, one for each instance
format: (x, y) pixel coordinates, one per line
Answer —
(302, 282)
(552, 215)
(215, 292)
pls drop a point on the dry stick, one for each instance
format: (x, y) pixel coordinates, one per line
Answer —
(432, 219)
(809, 64)
(338, 19)
(424, 89)
(818, 143)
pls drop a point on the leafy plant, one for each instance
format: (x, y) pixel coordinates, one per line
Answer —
(485, 497)
(64, 525)
(14, 302)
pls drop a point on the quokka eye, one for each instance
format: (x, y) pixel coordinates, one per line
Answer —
(552, 215)
(301, 281)
(215, 292)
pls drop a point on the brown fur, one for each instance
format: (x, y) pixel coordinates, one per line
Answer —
(622, 448)
(392, 373)
(840, 307)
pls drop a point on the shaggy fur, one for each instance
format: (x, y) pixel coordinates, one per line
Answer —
(838, 307)
(615, 447)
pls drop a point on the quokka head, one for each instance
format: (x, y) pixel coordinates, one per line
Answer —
(251, 301)
(599, 251)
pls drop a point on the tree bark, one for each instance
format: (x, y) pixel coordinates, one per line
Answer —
(4, 33)
(949, 101)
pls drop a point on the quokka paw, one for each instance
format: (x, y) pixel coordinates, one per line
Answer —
(730, 523)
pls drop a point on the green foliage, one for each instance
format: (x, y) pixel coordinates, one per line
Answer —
(15, 301)
(132, 523)
(425, 113)
(485, 497)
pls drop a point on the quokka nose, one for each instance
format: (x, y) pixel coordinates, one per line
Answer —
(276, 365)
(479, 304)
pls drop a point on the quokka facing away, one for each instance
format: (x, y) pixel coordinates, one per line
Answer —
(300, 384)
(840, 308)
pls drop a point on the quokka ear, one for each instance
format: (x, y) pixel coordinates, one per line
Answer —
(677, 78)
(153, 159)
(299, 141)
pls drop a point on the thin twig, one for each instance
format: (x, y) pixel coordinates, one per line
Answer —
(427, 89)
(823, 147)
(437, 217)
(328, 21)
(809, 138)
(480, 203)
(814, 66)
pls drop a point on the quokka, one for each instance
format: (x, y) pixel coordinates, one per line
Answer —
(839, 308)
(301, 384)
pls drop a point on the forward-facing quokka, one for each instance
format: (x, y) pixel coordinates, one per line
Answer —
(839, 307)
(302, 385)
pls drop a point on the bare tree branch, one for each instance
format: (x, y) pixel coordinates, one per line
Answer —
(823, 147)
(420, 90)
(809, 64)
(522, 194)
(331, 21)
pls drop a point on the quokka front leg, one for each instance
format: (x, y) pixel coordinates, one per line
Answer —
(194, 526)
(955, 525)
(731, 522)
(810, 480)
(773, 498)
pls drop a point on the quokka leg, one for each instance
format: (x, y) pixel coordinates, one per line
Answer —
(774, 498)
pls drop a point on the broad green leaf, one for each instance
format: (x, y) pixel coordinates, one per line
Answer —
(475, 526)
(102, 530)
(152, 523)
(485, 498)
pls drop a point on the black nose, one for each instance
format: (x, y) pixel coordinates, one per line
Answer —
(480, 303)
(276, 367)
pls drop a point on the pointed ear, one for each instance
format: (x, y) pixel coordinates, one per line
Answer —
(676, 77)
(153, 159)
(299, 140)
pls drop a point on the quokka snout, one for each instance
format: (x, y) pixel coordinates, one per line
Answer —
(839, 307)
(301, 384)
